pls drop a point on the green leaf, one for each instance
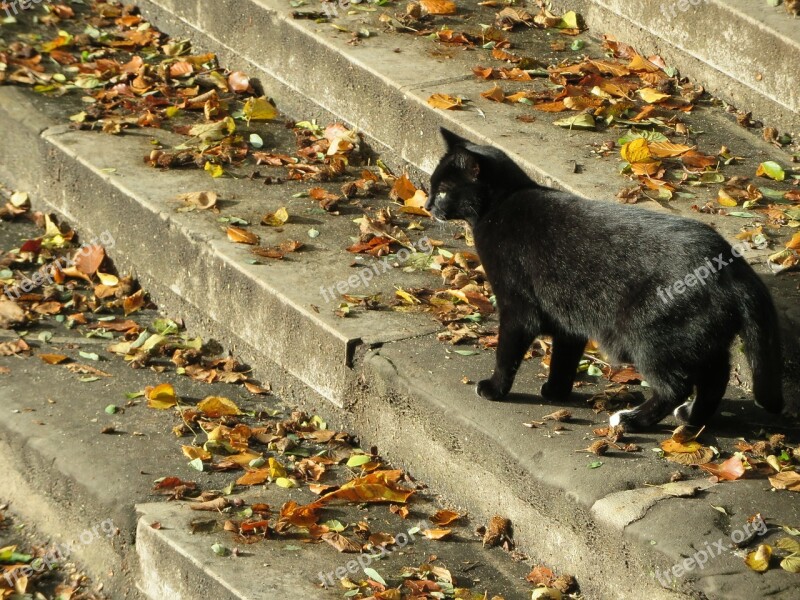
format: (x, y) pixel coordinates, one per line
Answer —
(111, 409)
(220, 550)
(594, 371)
(373, 574)
(577, 45)
(358, 460)
(650, 136)
(196, 464)
(256, 141)
(595, 464)
(334, 525)
(743, 215)
(582, 121)
(89, 355)
(772, 170)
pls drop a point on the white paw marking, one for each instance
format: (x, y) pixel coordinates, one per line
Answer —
(677, 411)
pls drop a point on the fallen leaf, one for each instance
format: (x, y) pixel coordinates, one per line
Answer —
(276, 219)
(758, 560)
(730, 470)
(161, 396)
(242, 236)
(445, 517)
(53, 359)
(444, 102)
(437, 534)
(786, 480)
(340, 542)
(772, 170)
(218, 406)
(438, 7)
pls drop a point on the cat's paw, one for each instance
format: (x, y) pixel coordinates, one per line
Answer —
(487, 389)
(627, 419)
(555, 392)
(682, 412)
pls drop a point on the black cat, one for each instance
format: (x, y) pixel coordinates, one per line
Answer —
(666, 293)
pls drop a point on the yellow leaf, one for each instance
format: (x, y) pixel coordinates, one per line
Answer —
(259, 109)
(285, 482)
(758, 560)
(640, 63)
(652, 95)
(276, 219)
(217, 406)
(667, 149)
(161, 396)
(216, 171)
(444, 102)
(672, 445)
(636, 151)
(725, 199)
(794, 243)
(243, 459)
(108, 279)
(194, 452)
(276, 469)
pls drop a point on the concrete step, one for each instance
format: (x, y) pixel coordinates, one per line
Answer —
(747, 53)
(398, 387)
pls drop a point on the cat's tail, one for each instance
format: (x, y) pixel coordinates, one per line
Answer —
(762, 343)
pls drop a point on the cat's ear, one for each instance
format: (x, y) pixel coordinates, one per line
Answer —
(452, 140)
(468, 162)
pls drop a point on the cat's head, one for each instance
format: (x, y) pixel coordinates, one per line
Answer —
(469, 177)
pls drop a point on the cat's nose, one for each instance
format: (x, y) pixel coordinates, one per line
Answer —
(430, 202)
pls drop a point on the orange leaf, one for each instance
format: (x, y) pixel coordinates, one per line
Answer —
(254, 477)
(731, 470)
(133, 302)
(445, 517)
(436, 534)
(444, 102)
(242, 236)
(88, 259)
(53, 359)
(794, 243)
(495, 94)
(787, 480)
(438, 7)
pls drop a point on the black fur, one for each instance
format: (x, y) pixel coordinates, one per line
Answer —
(575, 269)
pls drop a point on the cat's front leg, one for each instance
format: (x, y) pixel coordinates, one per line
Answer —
(516, 336)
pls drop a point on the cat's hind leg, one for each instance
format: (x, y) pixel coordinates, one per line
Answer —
(567, 353)
(517, 332)
(667, 395)
(711, 385)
